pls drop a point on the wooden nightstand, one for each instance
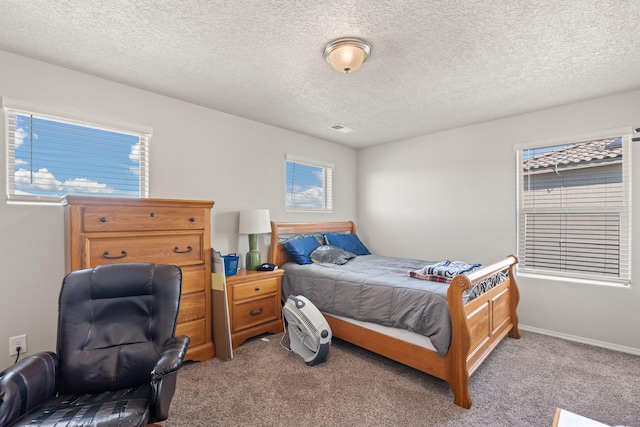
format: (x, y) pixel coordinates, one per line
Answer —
(254, 304)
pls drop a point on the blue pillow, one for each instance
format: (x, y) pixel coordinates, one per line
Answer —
(348, 242)
(300, 249)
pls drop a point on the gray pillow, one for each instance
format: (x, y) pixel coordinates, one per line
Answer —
(330, 254)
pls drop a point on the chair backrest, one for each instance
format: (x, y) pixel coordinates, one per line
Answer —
(113, 321)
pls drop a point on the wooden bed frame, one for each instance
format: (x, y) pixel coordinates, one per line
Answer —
(476, 327)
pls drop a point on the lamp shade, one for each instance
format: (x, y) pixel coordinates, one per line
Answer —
(347, 55)
(255, 222)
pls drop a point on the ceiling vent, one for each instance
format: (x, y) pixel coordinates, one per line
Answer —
(341, 128)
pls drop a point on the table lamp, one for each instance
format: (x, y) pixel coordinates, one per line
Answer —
(254, 222)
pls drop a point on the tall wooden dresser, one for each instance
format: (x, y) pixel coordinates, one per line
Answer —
(105, 230)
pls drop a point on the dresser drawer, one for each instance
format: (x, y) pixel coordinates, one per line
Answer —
(196, 331)
(254, 312)
(135, 218)
(175, 249)
(192, 307)
(254, 289)
(193, 279)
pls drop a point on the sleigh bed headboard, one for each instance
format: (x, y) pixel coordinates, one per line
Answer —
(279, 256)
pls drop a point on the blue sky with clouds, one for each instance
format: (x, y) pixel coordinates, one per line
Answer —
(306, 182)
(57, 158)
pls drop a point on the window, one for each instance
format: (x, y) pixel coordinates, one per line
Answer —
(50, 156)
(308, 185)
(574, 208)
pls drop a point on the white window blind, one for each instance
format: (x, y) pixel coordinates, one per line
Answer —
(308, 185)
(574, 210)
(50, 156)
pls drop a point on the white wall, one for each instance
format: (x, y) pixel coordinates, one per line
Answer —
(402, 204)
(452, 195)
(196, 153)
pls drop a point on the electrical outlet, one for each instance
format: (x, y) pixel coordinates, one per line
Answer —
(15, 342)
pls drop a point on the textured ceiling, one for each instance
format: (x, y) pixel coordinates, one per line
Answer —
(434, 65)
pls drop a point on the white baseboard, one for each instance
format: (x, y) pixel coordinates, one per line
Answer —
(582, 340)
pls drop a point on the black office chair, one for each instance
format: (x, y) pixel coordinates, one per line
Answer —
(117, 356)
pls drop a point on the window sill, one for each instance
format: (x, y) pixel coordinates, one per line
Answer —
(531, 275)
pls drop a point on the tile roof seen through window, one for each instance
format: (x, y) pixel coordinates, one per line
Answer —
(579, 154)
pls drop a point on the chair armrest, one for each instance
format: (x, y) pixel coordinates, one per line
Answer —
(171, 357)
(27, 384)
(163, 377)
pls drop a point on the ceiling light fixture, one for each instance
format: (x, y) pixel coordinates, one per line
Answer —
(346, 55)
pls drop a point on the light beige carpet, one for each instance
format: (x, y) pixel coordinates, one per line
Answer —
(520, 384)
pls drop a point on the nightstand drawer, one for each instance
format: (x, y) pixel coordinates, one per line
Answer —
(174, 249)
(256, 288)
(152, 218)
(254, 312)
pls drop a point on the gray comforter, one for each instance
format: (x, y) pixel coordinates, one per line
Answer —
(376, 289)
